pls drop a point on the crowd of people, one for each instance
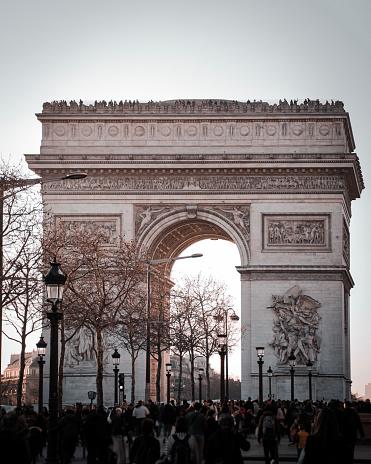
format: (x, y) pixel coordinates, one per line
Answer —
(190, 433)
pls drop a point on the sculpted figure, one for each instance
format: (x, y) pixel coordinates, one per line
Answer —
(237, 217)
(146, 216)
(296, 326)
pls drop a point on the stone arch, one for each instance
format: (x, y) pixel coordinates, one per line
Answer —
(171, 232)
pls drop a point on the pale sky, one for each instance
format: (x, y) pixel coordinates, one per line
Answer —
(240, 49)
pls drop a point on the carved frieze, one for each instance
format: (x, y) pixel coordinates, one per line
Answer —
(81, 349)
(107, 226)
(296, 326)
(346, 243)
(202, 183)
(295, 232)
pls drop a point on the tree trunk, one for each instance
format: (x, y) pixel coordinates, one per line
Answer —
(192, 359)
(207, 377)
(132, 379)
(99, 366)
(21, 372)
(180, 377)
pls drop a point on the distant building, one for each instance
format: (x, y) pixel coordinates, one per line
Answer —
(10, 378)
(368, 391)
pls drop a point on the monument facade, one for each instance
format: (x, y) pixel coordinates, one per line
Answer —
(277, 180)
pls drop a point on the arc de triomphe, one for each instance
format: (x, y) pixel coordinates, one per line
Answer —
(277, 180)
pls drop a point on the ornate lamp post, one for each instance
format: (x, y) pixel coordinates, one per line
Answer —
(200, 377)
(116, 362)
(222, 344)
(292, 359)
(168, 375)
(224, 318)
(260, 354)
(54, 282)
(310, 367)
(41, 348)
(270, 373)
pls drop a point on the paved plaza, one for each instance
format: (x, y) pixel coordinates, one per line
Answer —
(255, 455)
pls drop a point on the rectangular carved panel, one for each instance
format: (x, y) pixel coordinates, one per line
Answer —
(296, 232)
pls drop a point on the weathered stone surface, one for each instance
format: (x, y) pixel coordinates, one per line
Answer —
(277, 180)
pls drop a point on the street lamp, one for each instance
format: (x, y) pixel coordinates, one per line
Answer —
(222, 345)
(148, 341)
(6, 185)
(292, 359)
(54, 282)
(310, 368)
(270, 373)
(116, 362)
(168, 375)
(234, 318)
(41, 348)
(200, 377)
(260, 354)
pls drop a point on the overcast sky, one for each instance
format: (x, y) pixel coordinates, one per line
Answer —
(159, 50)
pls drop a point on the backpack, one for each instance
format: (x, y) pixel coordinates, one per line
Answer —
(181, 451)
(146, 453)
(269, 430)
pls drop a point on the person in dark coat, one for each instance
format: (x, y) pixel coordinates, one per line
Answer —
(146, 448)
(352, 424)
(326, 445)
(14, 447)
(68, 434)
(168, 419)
(97, 438)
(224, 447)
(270, 442)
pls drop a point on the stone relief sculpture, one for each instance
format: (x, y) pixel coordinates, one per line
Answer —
(296, 326)
(296, 232)
(241, 217)
(212, 183)
(81, 349)
(107, 230)
(145, 217)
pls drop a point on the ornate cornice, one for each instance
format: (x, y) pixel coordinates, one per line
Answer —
(298, 272)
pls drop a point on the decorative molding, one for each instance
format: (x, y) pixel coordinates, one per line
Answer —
(296, 232)
(346, 242)
(296, 326)
(201, 183)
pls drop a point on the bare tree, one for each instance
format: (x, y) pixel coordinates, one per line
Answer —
(101, 280)
(207, 298)
(20, 226)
